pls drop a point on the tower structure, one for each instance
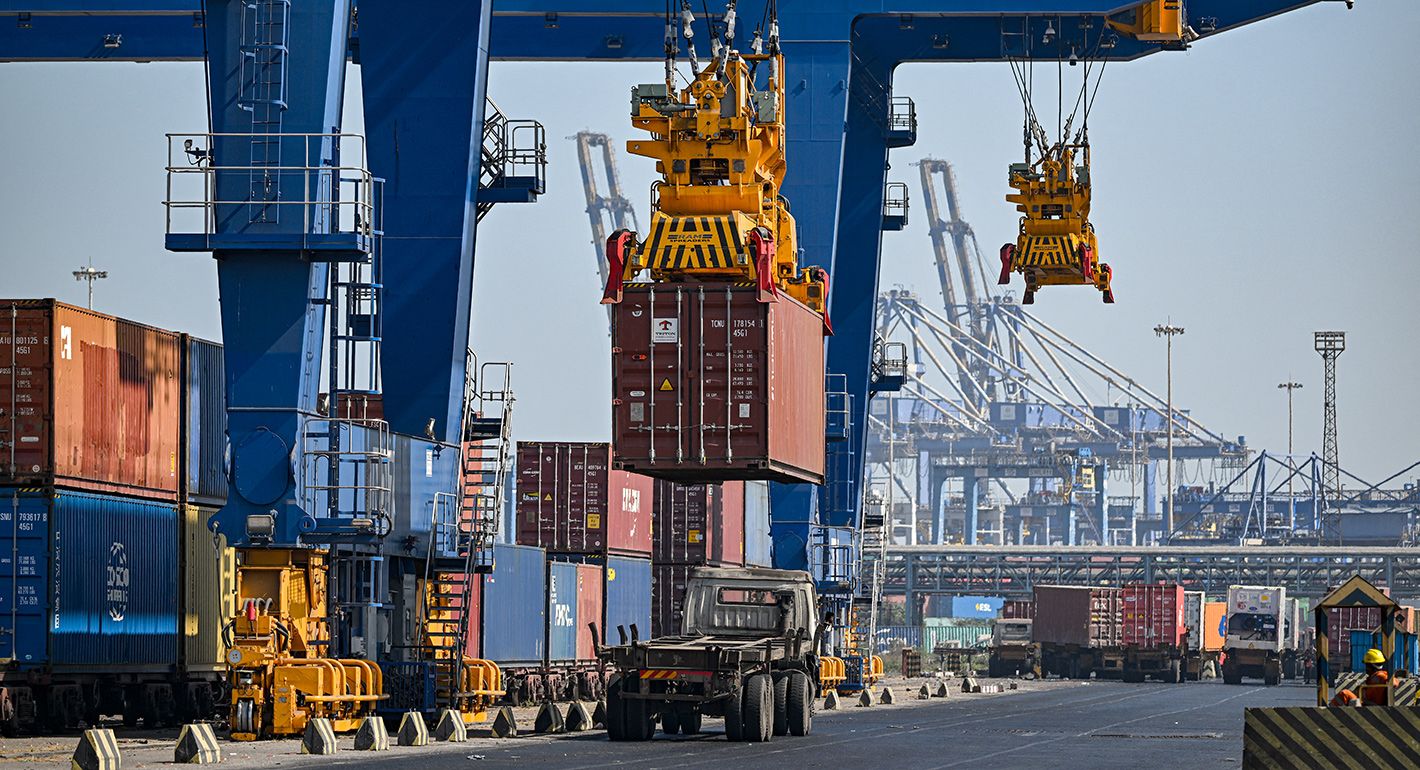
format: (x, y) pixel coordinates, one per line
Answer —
(1330, 345)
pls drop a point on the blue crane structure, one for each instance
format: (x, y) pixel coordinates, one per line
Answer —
(275, 82)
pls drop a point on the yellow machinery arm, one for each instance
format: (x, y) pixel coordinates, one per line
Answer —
(717, 214)
(1056, 245)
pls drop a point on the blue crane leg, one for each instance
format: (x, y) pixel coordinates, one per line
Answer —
(971, 496)
(424, 67)
(271, 331)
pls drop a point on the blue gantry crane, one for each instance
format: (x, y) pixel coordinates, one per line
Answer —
(322, 256)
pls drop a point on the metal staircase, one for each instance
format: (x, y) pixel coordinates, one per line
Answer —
(264, 51)
(465, 528)
(513, 161)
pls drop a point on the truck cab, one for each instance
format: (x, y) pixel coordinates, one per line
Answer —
(1012, 651)
(1259, 633)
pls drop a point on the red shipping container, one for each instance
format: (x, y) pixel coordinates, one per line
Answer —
(1153, 616)
(88, 401)
(699, 524)
(1022, 609)
(668, 583)
(590, 604)
(570, 500)
(710, 383)
(1086, 617)
(1341, 621)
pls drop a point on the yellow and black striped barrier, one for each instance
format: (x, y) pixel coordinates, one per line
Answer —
(197, 745)
(1309, 736)
(1405, 689)
(97, 750)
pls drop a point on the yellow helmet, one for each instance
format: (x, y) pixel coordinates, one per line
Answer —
(1373, 656)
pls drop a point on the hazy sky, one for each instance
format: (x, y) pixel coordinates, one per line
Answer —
(1253, 189)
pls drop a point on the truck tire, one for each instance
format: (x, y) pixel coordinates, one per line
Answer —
(1272, 673)
(638, 723)
(799, 699)
(670, 722)
(689, 722)
(1231, 674)
(734, 715)
(759, 709)
(615, 713)
(781, 703)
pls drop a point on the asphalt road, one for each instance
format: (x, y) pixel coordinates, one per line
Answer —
(1085, 725)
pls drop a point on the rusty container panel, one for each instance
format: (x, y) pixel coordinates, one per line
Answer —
(709, 383)
(668, 583)
(591, 602)
(91, 402)
(1023, 609)
(699, 524)
(570, 500)
(1073, 615)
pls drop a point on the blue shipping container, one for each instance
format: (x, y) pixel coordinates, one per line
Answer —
(976, 606)
(1407, 650)
(759, 547)
(24, 573)
(205, 422)
(628, 597)
(111, 580)
(515, 606)
(561, 612)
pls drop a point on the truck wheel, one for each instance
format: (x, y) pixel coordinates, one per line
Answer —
(781, 703)
(670, 722)
(799, 700)
(615, 713)
(734, 715)
(1272, 673)
(689, 722)
(759, 709)
(640, 725)
(1231, 674)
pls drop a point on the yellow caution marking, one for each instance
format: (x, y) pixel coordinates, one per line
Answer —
(547, 496)
(666, 385)
(1333, 737)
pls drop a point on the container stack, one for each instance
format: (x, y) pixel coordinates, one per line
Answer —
(113, 435)
(695, 525)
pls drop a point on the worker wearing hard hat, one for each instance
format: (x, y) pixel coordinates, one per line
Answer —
(1377, 680)
(1345, 698)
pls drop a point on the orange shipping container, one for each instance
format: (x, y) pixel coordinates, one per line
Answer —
(88, 401)
(1213, 613)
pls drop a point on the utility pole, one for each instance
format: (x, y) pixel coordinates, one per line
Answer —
(1168, 332)
(90, 274)
(1329, 345)
(1290, 386)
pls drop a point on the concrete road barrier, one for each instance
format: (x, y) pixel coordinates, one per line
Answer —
(412, 730)
(197, 745)
(885, 697)
(319, 737)
(865, 699)
(97, 750)
(578, 718)
(372, 735)
(549, 720)
(830, 701)
(924, 693)
(599, 714)
(1313, 736)
(450, 727)
(942, 690)
(505, 725)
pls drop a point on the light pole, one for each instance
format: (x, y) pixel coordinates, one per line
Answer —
(1168, 332)
(1290, 386)
(90, 274)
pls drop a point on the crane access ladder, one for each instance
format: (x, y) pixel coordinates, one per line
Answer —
(465, 529)
(864, 666)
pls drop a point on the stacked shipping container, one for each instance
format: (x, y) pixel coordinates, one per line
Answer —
(116, 435)
(695, 525)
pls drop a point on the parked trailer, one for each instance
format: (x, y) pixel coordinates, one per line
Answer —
(90, 618)
(1205, 637)
(1154, 631)
(1079, 631)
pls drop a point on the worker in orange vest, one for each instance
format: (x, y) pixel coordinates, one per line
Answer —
(1345, 698)
(1377, 680)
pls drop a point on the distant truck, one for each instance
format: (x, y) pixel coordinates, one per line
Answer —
(1261, 633)
(747, 651)
(1154, 634)
(1204, 644)
(1012, 652)
(1079, 631)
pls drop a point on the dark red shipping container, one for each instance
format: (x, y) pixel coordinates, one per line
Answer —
(700, 524)
(591, 602)
(570, 500)
(1153, 616)
(88, 401)
(1087, 617)
(1341, 621)
(710, 383)
(668, 583)
(1023, 609)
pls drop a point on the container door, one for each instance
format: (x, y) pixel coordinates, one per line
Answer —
(26, 380)
(561, 611)
(24, 567)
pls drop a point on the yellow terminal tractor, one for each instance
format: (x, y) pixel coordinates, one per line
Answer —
(1056, 245)
(717, 214)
